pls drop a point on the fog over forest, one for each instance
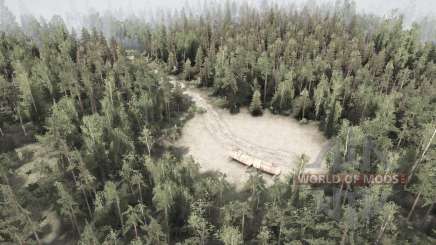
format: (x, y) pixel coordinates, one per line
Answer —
(72, 9)
(82, 13)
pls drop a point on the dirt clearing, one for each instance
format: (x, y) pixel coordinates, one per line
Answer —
(209, 137)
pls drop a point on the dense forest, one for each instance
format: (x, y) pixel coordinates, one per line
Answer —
(101, 105)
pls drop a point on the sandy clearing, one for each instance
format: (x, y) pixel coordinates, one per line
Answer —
(37, 158)
(33, 169)
(278, 139)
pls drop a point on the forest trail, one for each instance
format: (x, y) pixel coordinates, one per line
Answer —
(210, 137)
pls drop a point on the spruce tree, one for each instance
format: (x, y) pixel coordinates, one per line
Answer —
(256, 104)
(187, 70)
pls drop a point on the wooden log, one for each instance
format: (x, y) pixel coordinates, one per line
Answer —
(248, 160)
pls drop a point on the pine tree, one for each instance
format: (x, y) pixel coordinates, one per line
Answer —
(163, 199)
(133, 220)
(256, 104)
(18, 220)
(187, 70)
(199, 223)
(264, 236)
(285, 93)
(172, 62)
(199, 58)
(68, 206)
(88, 236)
(61, 124)
(321, 92)
(264, 65)
(147, 139)
(25, 86)
(387, 220)
(111, 195)
(230, 236)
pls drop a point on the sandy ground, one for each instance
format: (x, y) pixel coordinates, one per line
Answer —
(33, 169)
(210, 136)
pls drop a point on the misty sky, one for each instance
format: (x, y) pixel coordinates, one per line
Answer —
(412, 9)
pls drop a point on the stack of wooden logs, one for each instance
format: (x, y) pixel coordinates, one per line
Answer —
(251, 161)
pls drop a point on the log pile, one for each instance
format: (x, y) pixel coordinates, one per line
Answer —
(250, 161)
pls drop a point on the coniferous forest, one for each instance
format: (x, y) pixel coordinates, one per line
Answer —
(97, 109)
